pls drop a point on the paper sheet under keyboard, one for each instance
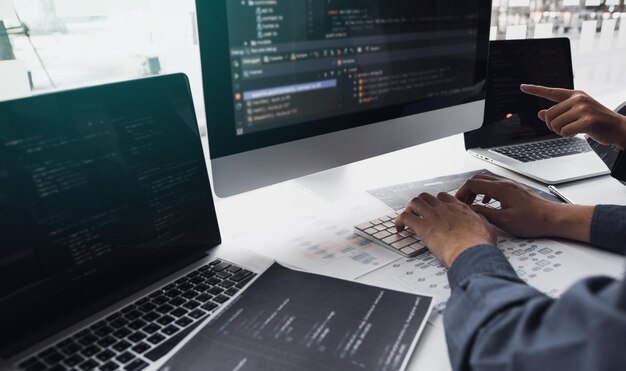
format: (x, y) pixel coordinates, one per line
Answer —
(545, 264)
(323, 241)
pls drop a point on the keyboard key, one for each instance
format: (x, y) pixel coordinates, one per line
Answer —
(90, 351)
(223, 275)
(241, 275)
(213, 281)
(109, 366)
(220, 267)
(214, 262)
(161, 299)
(209, 306)
(107, 341)
(191, 305)
(393, 238)
(197, 313)
(147, 307)
(136, 325)
(53, 357)
(381, 235)
(123, 332)
(155, 339)
(202, 287)
(141, 348)
(105, 355)
(184, 322)
(87, 339)
(90, 364)
(151, 316)
(233, 269)
(202, 299)
(73, 360)
(190, 294)
(165, 320)
(244, 282)
(125, 357)
(177, 302)
(364, 226)
(136, 365)
(151, 328)
(231, 291)
(408, 250)
(137, 337)
(165, 308)
(170, 330)
(221, 299)
(103, 330)
(121, 346)
(119, 322)
(143, 301)
(227, 284)
(403, 243)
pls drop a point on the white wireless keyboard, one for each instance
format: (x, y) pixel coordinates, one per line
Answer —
(382, 231)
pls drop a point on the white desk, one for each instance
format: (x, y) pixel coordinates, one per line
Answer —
(254, 212)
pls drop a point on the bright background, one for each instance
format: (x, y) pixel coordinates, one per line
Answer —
(86, 42)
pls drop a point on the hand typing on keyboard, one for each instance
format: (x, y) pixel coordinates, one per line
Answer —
(525, 214)
(445, 225)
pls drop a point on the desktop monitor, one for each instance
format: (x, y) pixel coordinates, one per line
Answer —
(294, 87)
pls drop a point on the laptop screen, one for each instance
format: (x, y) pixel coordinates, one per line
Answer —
(510, 115)
(99, 187)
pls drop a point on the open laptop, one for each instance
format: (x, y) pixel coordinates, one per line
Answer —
(512, 136)
(111, 251)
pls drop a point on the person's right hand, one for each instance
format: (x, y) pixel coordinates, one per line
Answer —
(524, 213)
(578, 113)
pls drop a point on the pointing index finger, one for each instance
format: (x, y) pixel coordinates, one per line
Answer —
(554, 94)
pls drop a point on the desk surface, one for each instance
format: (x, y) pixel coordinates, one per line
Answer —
(254, 213)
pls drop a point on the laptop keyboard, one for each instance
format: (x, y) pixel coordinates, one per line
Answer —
(147, 329)
(545, 150)
(382, 231)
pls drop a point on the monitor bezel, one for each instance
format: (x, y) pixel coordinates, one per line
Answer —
(219, 103)
(482, 137)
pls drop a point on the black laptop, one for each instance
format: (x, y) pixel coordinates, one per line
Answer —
(111, 251)
(512, 136)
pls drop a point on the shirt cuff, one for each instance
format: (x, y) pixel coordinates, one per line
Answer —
(479, 260)
(608, 228)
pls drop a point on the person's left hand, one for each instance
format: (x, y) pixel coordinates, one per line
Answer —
(445, 225)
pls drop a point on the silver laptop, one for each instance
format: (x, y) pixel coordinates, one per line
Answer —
(512, 136)
(111, 251)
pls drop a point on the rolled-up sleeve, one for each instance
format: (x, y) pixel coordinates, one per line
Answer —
(495, 321)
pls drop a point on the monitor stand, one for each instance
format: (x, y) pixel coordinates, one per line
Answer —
(330, 185)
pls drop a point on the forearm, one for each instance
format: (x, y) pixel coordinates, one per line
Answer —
(602, 226)
(572, 222)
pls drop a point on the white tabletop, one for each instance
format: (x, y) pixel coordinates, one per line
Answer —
(252, 214)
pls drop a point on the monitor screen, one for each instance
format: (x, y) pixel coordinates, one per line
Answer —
(511, 115)
(97, 185)
(282, 70)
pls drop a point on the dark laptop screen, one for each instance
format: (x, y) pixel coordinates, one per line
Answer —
(98, 188)
(510, 115)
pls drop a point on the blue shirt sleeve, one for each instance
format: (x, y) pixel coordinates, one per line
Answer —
(495, 321)
(608, 228)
